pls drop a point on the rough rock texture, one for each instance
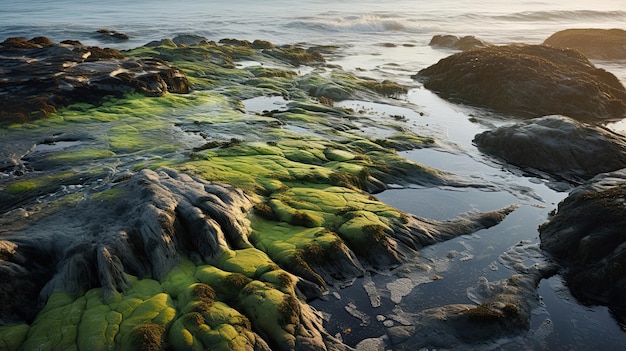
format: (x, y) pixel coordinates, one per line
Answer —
(557, 145)
(162, 259)
(144, 225)
(467, 42)
(586, 235)
(599, 44)
(41, 76)
(159, 218)
(528, 81)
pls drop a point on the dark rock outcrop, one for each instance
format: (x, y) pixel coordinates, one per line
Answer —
(142, 226)
(467, 42)
(41, 76)
(600, 44)
(528, 81)
(557, 145)
(111, 35)
(586, 235)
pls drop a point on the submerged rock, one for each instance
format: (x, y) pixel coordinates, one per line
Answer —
(467, 42)
(599, 44)
(528, 81)
(504, 313)
(586, 235)
(41, 76)
(111, 35)
(557, 145)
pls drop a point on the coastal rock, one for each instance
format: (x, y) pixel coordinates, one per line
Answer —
(467, 42)
(598, 44)
(158, 217)
(528, 81)
(111, 35)
(557, 145)
(503, 312)
(146, 225)
(586, 235)
(42, 76)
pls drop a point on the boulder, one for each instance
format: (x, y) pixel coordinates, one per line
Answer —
(467, 42)
(586, 235)
(40, 76)
(599, 44)
(111, 35)
(558, 145)
(528, 81)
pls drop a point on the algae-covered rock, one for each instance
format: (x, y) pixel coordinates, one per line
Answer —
(44, 77)
(142, 235)
(528, 81)
(198, 222)
(595, 43)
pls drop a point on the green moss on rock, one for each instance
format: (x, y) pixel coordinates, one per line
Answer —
(12, 336)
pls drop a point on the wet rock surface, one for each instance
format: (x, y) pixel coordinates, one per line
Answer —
(142, 226)
(42, 76)
(528, 81)
(500, 311)
(558, 145)
(505, 312)
(467, 42)
(117, 225)
(586, 235)
(598, 44)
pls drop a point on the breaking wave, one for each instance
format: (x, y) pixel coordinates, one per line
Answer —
(532, 16)
(359, 24)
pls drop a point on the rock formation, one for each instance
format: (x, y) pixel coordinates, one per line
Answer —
(117, 220)
(504, 312)
(528, 81)
(145, 225)
(41, 76)
(501, 311)
(467, 42)
(598, 44)
(586, 235)
(558, 145)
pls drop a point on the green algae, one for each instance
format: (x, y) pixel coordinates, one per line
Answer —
(12, 336)
(311, 211)
(405, 142)
(39, 184)
(296, 55)
(21, 187)
(84, 154)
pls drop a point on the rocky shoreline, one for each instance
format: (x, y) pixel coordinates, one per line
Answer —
(143, 206)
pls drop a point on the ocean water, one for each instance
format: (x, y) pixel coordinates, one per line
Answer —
(389, 40)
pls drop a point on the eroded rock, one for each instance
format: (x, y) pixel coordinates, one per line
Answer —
(599, 44)
(586, 235)
(528, 81)
(41, 76)
(557, 145)
(157, 218)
